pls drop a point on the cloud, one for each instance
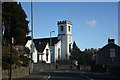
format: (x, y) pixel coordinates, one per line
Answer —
(91, 23)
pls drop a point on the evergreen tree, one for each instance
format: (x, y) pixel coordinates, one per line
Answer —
(75, 54)
(15, 23)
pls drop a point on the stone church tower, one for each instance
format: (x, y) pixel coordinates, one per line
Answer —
(65, 35)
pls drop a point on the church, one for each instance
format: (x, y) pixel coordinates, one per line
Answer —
(52, 49)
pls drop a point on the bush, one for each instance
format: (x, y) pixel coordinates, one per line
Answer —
(24, 60)
(5, 65)
(6, 58)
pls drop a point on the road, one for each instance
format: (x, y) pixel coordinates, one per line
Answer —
(69, 75)
(79, 75)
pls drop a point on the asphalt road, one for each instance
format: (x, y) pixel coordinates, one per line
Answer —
(78, 75)
(69, 75)
(66, 75)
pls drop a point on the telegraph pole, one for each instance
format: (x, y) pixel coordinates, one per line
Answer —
(10, 72)
(32, 44)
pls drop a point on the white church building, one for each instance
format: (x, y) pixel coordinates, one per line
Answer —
(54, 48)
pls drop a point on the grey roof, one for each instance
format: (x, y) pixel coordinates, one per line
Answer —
(40, 46)
(41, 43)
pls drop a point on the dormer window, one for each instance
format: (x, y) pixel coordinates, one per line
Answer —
(61, 28)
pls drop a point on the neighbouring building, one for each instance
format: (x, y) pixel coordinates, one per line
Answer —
(109, 55)
(60, 46)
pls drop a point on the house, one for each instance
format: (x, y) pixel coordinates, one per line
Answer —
(52, 49)
(109, 55)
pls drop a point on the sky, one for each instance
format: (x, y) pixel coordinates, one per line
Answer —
(93, 22)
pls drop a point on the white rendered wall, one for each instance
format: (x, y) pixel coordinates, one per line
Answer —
(34, 55)
(49, 56)
(57, 46)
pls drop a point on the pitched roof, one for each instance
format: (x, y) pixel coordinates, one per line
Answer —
(40, 46)
(54, 40)
(108, 45)
(41, 43)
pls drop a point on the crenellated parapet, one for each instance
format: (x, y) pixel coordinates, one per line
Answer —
(64, 22)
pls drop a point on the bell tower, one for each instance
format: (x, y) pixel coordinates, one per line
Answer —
(65, 35)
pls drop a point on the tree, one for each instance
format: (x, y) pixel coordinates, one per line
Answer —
(15, 23)
(6, 58)
(75, 53)
(83, 57)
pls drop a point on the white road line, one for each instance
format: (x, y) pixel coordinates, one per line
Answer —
(66, 71)
(89, 78)
(48, 77)
(57, 71)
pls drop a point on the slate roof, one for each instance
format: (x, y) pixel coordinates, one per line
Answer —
(40, 46)
(41, 43)
(103, 55)
(108, 45)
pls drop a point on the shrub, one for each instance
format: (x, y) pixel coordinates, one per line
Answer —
(6, 58)
(24, 60)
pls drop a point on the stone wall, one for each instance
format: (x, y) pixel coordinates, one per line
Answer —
(48, 67)
(18, 72)
(85, 68)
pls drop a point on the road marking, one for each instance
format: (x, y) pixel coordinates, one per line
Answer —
(89, 78)
(57, 71)
(48, 77)
(66, 71)
(41, 70)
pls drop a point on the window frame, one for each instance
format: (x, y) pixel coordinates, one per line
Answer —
(112, 52)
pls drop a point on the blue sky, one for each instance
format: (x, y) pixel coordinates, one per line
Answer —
(93, 22)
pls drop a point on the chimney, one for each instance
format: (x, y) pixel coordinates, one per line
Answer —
(111, 40)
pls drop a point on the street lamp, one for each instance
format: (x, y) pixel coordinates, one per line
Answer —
(51, 44)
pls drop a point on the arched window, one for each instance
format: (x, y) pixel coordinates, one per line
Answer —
(69, 47)
(58, 53)
(47, 54)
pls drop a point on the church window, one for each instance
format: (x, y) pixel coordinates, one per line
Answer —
(69, 28)
(61, 28)
(47, 54)
(38, 57)
(69, 47)
(58, 53)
